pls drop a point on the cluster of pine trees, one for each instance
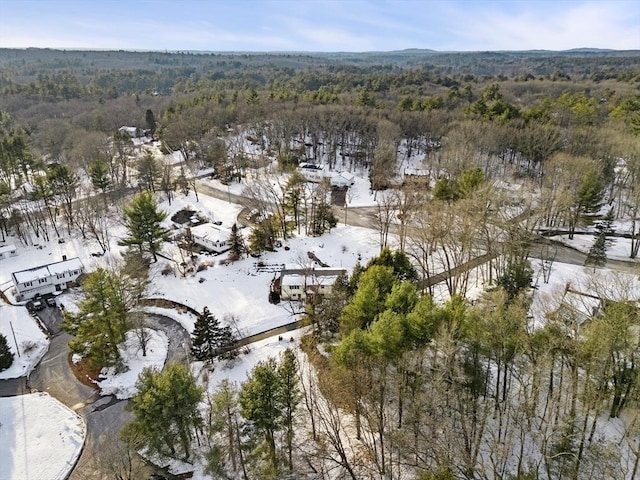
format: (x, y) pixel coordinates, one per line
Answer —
(240, 431)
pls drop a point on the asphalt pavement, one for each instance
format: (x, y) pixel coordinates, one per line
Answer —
(104, 416)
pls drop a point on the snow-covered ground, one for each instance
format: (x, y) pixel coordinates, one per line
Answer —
(237, 290)
(618, 248)
(565, 280)
(122, 385)
(40, 438)
(17, 325)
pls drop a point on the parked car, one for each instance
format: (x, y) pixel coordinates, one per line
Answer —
(51, 301)
(35, 305)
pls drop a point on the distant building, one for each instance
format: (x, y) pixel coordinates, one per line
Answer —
(211, 237)
(341, 179)
(313, 172)
(8, 251)
(300, 284)
(316, 173)
(54, 277)
(133, 132)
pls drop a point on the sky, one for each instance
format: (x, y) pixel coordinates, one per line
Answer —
(320, 25)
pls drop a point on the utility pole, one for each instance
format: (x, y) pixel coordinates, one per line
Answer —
(14, 338)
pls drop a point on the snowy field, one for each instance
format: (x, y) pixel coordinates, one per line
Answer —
(618, 248)
(565, 280)
(40, 438)
(122, 385)
(239, 290)
(32, 343)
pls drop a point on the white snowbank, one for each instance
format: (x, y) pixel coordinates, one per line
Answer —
(32, 342)
(40, 438)
(122, 385)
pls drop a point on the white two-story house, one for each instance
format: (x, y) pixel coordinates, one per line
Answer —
(44, 279)
(299, 284)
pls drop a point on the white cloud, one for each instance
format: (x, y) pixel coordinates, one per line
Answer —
(601, 25)
(332, 25)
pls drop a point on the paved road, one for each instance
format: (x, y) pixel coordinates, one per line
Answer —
(226, 195)
(106, 417)
(53, 374)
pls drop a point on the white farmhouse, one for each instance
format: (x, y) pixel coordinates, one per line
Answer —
(54, 277)
(298, 284)
(8, 251)
(316, 173)
(211, 237)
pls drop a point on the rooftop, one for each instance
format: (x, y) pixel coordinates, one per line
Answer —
(44, 271)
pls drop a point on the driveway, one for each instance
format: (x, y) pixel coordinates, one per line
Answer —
(107, 415)
(104, 416)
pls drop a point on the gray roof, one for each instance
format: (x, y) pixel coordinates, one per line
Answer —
(44, 271)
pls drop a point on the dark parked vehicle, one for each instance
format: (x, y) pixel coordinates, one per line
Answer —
(35, 305)
(51, 301)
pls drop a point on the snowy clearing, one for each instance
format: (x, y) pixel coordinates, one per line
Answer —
(41, 438)
(122, 385)
(32, 342)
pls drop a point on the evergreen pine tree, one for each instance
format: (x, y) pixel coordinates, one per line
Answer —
(210, 340)
(237, 244)
(226, 344)
(99, 174)
(6, 355)
(597, 255)
(102, 319)
(142, 219)
(167, 418)
(290, 397)
(205, 332)
(150, 119)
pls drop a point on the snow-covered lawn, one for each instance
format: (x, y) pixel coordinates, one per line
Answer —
(40, 438)
(122, 385)
(238, 370)
(618, 248)
(566, 279)
(238, 289)
(32, 342)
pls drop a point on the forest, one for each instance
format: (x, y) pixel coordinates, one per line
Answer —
(391, 383)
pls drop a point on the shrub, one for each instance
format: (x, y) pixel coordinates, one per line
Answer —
(28, 346)
(6, 355)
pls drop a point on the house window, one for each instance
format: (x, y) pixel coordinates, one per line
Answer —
(60, 275)
(28, 284)
(42, 280)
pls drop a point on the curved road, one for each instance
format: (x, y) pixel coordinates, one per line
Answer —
(107, 416)
(104, 416)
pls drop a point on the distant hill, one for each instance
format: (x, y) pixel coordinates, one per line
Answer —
(133, 71)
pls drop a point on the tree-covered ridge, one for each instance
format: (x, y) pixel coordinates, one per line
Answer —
(37, 72)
